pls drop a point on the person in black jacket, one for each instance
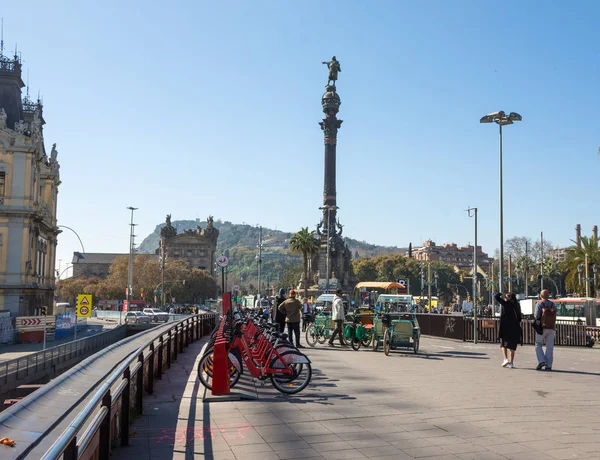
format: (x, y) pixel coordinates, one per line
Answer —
(280, 316)
(510, 332)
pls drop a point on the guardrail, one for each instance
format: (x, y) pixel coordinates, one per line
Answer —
(106, 416)
(50, 362)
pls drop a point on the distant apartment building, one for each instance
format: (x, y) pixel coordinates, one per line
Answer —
(459, 256)
(559, 254)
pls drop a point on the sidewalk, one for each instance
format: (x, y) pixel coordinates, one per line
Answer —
(451, 401)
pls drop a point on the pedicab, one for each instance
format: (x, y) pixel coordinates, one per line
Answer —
(402, 330)
(359, 330)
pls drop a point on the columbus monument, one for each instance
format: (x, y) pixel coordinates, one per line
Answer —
(333, 259)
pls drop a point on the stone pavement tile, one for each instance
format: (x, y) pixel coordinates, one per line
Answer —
(524, 437)
(589, 447)
(156, 454)
(321, 438)
(333, 445)
(338, 422)
(246, 436)
(464, 448)
(383, 429)
(431, 451)
(308, 428)
(531, 455)
(257, 456)
(570, 452)
(506, 449)
(354, 435)
(490, 440)
(321, 415)
(299, 453)
(289, 445)
(417, 426)
(380, 451)
(464, 430)
(481, 456)
(432, 433)
(252, 449)
(540, 444)
(446, 440)
(365, 443)
(262, 419)
(343, 454)
(485, 423)
(411, 443)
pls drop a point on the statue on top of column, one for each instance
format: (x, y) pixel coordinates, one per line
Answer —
(334, 68)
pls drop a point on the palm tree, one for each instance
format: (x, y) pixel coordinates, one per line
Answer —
(305, 243)
(575, 256)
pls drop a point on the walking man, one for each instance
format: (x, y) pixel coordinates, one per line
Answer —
(545, 311)
(337, 315)
(291, 308)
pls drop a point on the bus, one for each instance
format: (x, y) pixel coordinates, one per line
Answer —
(568, 309)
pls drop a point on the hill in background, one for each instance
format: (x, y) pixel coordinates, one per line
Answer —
(240, 243)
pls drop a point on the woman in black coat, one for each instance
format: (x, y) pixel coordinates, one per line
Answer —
(510, 326)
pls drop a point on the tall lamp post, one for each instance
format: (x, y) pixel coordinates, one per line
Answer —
(501, 119)
(429, 283)
(474, 210)
(130, 267)
(259, 257)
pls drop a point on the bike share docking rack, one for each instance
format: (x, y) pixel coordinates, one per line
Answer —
(245, 389)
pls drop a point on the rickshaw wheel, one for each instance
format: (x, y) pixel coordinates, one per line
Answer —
(366, 341)
(416, 345)
(311, 336)
(386, 342)
(355, 344)
(375, 342)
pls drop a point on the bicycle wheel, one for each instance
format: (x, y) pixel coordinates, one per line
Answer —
(355, 343)
(205, 371)
(321, 336)
(416, 345)
(292, 384)
(311, 336)
(375, 342)
(386, 342)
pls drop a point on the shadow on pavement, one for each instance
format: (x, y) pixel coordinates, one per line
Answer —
(560, 371)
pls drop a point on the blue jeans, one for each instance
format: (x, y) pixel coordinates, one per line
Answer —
(548, 336)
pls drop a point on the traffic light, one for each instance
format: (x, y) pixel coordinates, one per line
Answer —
(44, 311)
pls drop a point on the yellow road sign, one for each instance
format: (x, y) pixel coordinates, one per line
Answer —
(84, 305)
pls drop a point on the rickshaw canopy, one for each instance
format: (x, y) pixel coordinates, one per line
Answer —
(379, 285)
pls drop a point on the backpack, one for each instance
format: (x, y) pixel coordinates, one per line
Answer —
(548, 317)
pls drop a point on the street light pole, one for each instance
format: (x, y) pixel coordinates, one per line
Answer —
(130, 267)
(474, 275)
(259, 257)
(501, 119)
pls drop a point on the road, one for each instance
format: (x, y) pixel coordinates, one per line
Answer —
(452, 401)
(13, 351)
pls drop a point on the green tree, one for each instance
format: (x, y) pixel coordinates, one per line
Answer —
(305, 243)
(575, 256)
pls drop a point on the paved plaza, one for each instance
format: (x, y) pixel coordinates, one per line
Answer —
(451, 401)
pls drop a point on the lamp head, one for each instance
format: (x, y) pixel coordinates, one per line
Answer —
(513, 116)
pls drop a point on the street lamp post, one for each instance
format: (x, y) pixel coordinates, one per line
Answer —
(501, 119)
(429, 283)
(130, 267)
(474, 275)
(259, 257)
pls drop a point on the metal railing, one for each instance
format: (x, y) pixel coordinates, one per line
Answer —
(568, 333)
(134, 375)
(31, 364)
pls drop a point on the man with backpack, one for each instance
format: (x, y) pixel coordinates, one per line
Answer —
(545, 312)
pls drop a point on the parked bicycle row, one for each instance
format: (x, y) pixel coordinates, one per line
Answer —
(254, 343)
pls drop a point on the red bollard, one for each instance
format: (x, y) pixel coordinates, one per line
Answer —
(220, 382)
(226, 300)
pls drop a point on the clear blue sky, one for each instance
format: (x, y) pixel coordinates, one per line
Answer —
(196, 108)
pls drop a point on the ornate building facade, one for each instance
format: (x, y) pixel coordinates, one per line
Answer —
(198, 247)
(459, 256)
(29, 181)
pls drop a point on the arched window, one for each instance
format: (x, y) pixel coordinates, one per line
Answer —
(2, 183)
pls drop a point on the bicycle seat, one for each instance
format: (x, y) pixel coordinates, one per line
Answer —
(280, 335)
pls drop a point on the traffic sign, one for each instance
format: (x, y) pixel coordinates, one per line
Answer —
(222, 261)
(236, 287)
(31, 322)
(84, 305)
(404, 283)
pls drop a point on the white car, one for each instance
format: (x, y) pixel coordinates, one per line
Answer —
(137, 317)
(156, 314)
